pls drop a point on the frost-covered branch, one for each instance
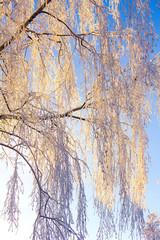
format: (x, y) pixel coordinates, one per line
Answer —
(81, 39)
(24, 25)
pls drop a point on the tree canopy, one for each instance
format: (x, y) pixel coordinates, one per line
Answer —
(77, 78)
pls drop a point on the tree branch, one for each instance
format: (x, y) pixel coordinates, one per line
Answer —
(82, 40)
(94, 33)
(62, 223)
(32, 170)
(51, 116)
(10, 116)
(5, 99)
(24, 25)
(19, 153)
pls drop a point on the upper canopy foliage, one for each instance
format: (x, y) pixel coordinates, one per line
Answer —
(77, 76)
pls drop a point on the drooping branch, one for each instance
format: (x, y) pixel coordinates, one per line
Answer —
(30, 166)
(81, 39)
(23, 157)
(55, 220)
(63, 224)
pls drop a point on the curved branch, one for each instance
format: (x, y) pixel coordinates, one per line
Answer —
(63, 224)
(7, 146)
(34, 173)
(82, 40)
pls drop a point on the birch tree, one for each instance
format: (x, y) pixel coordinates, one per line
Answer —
(77, 78)
(152, 227)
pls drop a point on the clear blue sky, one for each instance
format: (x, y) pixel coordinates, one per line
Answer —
(153, 188)
(153, 130)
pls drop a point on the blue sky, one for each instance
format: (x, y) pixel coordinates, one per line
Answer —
(153, 188)
(153, 130)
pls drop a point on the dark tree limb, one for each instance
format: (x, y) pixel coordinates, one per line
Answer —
(24, 25)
